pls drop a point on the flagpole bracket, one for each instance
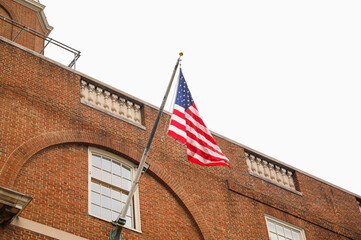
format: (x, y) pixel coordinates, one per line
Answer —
(145, 167)
(119, 222)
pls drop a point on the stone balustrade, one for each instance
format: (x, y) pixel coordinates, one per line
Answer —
(270, 171)
(112, 103)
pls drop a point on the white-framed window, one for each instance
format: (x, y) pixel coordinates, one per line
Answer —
(281, 230)
(110, 179)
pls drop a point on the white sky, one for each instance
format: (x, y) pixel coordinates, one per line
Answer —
(280, 76)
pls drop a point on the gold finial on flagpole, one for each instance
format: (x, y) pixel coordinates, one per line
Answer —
(180, 54)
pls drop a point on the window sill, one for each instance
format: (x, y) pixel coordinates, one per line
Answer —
(105, 220)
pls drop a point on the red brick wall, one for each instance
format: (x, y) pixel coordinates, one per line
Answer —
(24, 16)
(44, 135)
(18, 233)
(6, 30)
(57, 178)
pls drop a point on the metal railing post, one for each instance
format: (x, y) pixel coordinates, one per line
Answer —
(42, 36)
(42, 50)
(19, 33)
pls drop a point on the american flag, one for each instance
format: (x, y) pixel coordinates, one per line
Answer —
(187, 127)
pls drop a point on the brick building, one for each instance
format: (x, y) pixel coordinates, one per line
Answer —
(70, 144)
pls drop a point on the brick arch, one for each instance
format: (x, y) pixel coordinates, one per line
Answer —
(7, 10)
(6, 29)
(21, 154)
(174, 187)
(24, 152)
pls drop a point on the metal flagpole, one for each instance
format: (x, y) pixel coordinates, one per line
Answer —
(115, 234)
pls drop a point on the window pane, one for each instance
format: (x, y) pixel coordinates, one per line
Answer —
(116, 205)
(106, 191)
(96, 173)
(126, 172)
(106, 202)
(288, 233)
(106, 214)
(296, 235)
(95, 198)
(281, 238)
(95, 210)
(280, 230)
(128, 223)
(117, 181)
(124, 197)
(115, 215)
(106, 177)
(271, 227)
(126, 184)
(116, 194)
(129, 211)
(95, 187)
(96, 161)
(106, 164)
(116, 168)
(273, 236)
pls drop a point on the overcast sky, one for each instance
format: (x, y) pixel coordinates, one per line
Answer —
(279, 76)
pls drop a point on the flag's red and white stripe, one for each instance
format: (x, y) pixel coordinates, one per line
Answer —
(187, 127)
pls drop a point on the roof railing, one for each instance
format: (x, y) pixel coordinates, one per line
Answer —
(47, 39)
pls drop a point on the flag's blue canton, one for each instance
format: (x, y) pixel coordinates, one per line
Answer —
(184, 97)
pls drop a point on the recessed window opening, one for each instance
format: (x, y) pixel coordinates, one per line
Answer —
(110, 181)
(280, 230)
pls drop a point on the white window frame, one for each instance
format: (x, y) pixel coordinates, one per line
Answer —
(132, 166)
(284, 224)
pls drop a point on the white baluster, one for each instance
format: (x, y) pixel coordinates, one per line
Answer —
(272, 171)
(83, 90)
(259, 166)
(253, 164)
(106, 100)
(278, 174)
(284, 176)
(266, 169)
(290, 179)
(248, 161)
(99, 96)
(137, 116)
(129, 110)
(115, 106)
(91, 93)
(110, 102)
(121, 106)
